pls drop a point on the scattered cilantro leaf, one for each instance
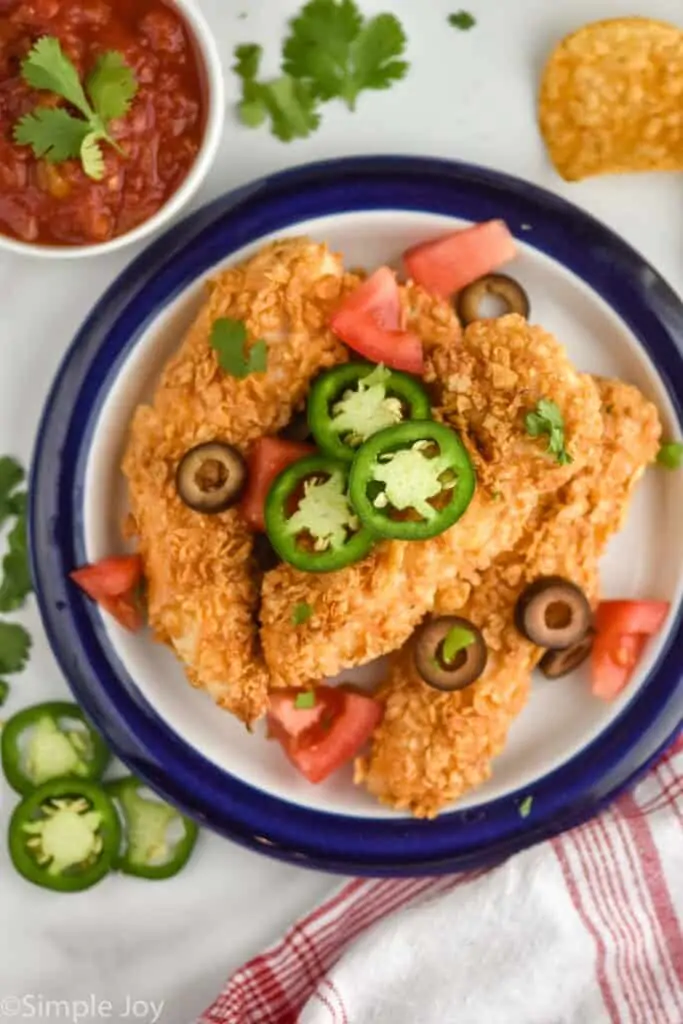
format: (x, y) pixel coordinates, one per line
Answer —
(4, 691)
(16, 582)
(228, 340)
(670, 455)
(15, 644)
(456, 640)
(247, 61)
(547, 419)
(111, 86)
(302, 613)
(302, 701)
(525, 806)
(289, 104)
(340, 54)
(11, 476)
(54, 133)
(462, 20)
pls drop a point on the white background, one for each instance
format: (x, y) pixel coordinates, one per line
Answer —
(469, 95)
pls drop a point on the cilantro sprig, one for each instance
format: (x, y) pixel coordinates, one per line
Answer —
(56, 134)
(229, 341)
(15, 580)
(547, 419)
(331, 52)
(462, 20)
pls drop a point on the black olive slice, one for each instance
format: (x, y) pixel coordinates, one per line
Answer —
(554, 613)
(433, 643)
(211, 477)
(555, 664)
(297, 429)
(501, 287)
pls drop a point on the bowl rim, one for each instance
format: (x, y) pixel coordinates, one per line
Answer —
(207, 49)
(291, 832)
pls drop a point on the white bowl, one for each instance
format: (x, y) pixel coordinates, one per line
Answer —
(214, 87)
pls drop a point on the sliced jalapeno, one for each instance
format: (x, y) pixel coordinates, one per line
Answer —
(50, 741)
(157, 839)
(352, 402)
(412, 481)
(64, 835)
(309, 519)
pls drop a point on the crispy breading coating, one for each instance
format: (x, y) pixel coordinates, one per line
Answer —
(203, 590)
(484, 383)
(432, 747)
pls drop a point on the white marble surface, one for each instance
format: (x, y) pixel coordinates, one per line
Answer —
(469, 95)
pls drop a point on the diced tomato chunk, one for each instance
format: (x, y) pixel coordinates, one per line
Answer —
(267, 459)
(446, 265)
(113, 583)
(622, 631)
(327, 735)
(380, 297)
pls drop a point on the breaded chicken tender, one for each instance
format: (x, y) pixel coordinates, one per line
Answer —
(484, 383)
(203, 590)
(432, 747)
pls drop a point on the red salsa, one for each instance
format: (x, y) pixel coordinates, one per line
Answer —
(58, 204)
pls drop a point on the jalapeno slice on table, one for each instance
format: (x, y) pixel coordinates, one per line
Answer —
(65, 835)
(157, 839)
(50, 741)
(412, 481)
(350, 403)
(309, 519)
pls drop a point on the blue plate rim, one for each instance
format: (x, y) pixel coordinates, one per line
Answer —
(457, 840)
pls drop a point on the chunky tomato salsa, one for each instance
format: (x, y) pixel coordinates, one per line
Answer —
(149, 149)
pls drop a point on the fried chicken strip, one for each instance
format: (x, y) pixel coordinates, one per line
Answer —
(484, 384)
(432, 747)
(203, 591)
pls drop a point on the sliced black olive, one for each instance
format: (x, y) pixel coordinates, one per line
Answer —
(554, 664)
(297, 429)
(211, 477)
(265, 555)
(432, 646)
(499, 286)
(554, 613)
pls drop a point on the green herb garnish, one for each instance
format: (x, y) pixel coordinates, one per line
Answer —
(670, 455)
(457, 639)
(228, 340)
(15, 644)
(287, 102)
(306, 700)
(547, 419)
(302, 613)
(525, 806)
(12, 503)
(462, 20)
(4, 691)
(16, 582)
(54, 133)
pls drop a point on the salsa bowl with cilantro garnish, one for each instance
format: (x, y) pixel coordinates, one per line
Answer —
(286, 466)
(111, 112)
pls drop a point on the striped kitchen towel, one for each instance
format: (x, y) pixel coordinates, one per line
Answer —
(583, 929)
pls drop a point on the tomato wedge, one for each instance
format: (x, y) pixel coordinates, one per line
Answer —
(622, 631)
(113, 583)
(266, 460)
(368, 321)
(445, 265)
(329, 734)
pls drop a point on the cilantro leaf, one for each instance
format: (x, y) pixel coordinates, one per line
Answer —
(457, 639)
(292, 108)
(547, 419)
(339, 54)
(228, 340)
(91, 156)
(4, 691)
(52, 133)
(525, 806)
(11, 476)
(15, 644)
(306, 700)
(247, 61)
(302, 613)
(48, 68)
(670, 455)
(463, 20)
(16, 581)
(111, 86)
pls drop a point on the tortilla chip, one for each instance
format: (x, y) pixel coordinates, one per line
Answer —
(611, 99)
